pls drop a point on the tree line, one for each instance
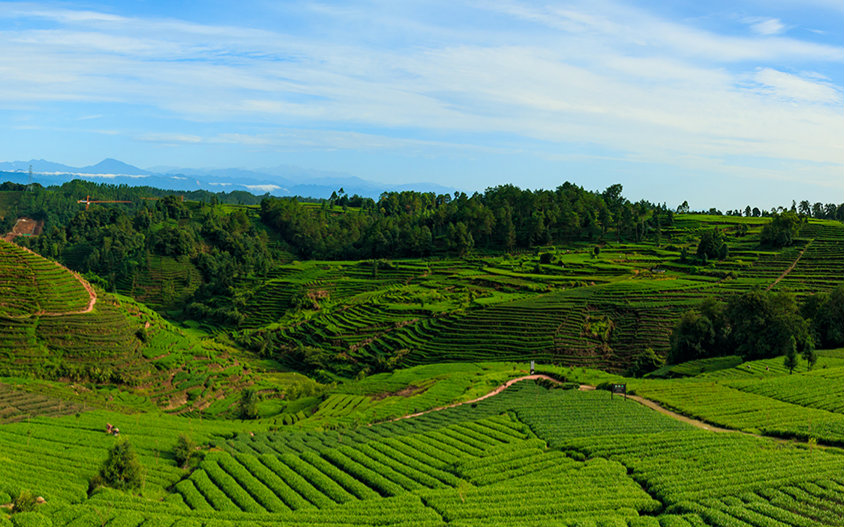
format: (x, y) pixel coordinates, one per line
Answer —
(817, 210)
(501, 218)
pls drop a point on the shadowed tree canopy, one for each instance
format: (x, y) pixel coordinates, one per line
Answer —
(781, 230)
(755, 325)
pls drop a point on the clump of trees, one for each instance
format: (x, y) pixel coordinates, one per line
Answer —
(755, 325)
(781, 230)
(247, 408)
(825, 311)
(713, 245)
(645, 361)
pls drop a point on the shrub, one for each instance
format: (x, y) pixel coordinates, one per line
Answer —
(248, 406)
(184, 450)
(121, 469)
(24, 502)
(645, 361)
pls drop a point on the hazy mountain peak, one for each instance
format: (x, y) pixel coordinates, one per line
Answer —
(113, 166)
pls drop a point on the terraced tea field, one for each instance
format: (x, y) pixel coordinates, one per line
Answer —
(527, 457)
(31, 285)
(369, 441)
(762, 397)
(580, 310)
(49, 329)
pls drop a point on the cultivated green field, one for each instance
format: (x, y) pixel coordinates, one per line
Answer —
(528, 456)
(351, 393)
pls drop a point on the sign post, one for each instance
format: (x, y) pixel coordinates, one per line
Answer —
(618, 388)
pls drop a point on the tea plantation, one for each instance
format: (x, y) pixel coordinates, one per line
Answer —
(580, 308)
(372, 392)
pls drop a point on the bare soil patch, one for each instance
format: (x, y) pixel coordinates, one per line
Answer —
(25, 227)
(407, 391)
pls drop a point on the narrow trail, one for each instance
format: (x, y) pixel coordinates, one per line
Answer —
(680, 417)
(92, 295)
(496, 391)
(583, 387)
(665, 411)
(791, 267)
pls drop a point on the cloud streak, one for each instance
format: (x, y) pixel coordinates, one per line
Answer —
(766, 26)
(601, 75)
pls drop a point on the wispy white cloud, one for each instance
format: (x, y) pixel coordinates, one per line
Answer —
(263, 188)
(595, 73)
(794, 87)
(765, 26)
(611, 25)
(170, 138)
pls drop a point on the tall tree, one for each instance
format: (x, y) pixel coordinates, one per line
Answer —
(790, 361)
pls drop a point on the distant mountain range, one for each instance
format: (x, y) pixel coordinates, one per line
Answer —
(278, 181)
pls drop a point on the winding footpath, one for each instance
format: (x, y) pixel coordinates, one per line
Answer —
(496, 391)
(680, 417)
(583, 387)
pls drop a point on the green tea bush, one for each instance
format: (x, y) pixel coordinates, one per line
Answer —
(31, 519)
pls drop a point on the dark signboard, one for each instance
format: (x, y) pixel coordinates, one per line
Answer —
(619, 389)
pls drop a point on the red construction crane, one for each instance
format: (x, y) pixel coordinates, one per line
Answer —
(87, 201)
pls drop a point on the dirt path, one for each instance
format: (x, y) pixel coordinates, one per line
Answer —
(791, 267)
(641, 400)
(665, 411)
(92, 295)
(680, 417)
(583, 387)
(496, 391)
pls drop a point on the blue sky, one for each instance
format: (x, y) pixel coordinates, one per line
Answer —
(719, 103)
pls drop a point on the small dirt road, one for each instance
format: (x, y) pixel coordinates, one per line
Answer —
(583, 387)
